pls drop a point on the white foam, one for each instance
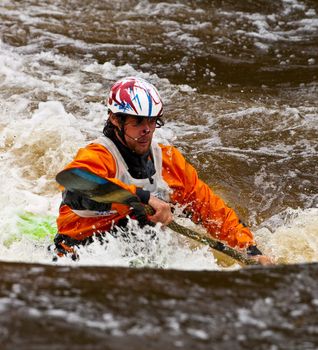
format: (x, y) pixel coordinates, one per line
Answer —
(291, 237)
(112, 73)
(34, 146)
(161, 8)
(245, 316)
(152, 247)
(266, 29)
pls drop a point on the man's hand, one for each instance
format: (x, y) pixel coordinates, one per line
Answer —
(263, 259)
(254, 253)
(162, 211)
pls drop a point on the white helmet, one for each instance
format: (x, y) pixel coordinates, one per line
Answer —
(136, 97)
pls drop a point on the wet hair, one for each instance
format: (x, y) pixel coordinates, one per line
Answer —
(109, 128)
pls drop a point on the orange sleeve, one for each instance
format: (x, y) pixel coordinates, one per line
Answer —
(205, 206)
(98, 160)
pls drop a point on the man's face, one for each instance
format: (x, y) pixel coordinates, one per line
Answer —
(138, 133)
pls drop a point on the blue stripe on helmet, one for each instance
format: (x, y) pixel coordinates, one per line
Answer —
(150, 104)
(138, 100)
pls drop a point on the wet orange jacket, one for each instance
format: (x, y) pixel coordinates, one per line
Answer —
(187, 189)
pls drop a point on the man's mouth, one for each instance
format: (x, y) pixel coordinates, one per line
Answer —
(143, 140)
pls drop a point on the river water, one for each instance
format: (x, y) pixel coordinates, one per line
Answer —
(239, 83)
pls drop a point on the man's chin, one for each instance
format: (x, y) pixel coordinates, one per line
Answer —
(142, 148)
(139, 147)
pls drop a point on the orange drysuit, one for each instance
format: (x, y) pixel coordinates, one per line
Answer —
(187, 190)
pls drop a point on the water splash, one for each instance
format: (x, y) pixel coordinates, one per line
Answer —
(291, 236)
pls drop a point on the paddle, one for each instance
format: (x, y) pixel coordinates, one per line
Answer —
(105, 191)
(101, 190)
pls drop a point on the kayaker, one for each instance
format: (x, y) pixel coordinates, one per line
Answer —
(159, 175)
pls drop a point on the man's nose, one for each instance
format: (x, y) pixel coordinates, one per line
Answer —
(145, 130)
(146, 126)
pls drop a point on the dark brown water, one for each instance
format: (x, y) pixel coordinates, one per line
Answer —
(239, 81)
(105, 308)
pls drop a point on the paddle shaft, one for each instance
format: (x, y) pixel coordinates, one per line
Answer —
(211, 242)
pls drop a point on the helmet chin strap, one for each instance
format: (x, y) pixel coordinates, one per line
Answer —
(120, 131)
(122, 134)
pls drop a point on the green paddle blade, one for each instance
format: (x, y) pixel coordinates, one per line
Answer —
(36, 226)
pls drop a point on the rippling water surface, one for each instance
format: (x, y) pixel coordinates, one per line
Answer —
(239, 82)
